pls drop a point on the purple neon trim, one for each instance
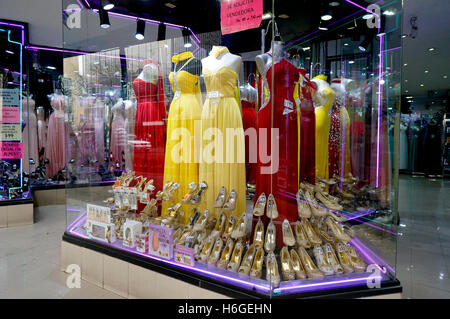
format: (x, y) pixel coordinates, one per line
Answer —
(380, 101)
(343, 130)
(12, 24)
(359, 6)
(370, 254)
(392, 49)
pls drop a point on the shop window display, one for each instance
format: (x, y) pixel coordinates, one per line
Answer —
(258, 160)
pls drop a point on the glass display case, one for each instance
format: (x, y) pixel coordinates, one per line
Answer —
(247, 144)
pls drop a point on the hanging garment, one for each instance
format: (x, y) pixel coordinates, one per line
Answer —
(150, 131)
(403, 147)
(29, 137)
(183, 132)
(130, 116)
(42, 134)
(416, 130)
(338, 141)
(118, 142)
(57, 139)
(277, 170)
(307, 129)
(223, 144)
(249, 122)
(433, 149)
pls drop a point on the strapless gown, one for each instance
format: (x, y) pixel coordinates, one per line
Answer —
(249, 121)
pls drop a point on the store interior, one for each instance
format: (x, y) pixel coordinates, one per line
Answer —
(306, 156)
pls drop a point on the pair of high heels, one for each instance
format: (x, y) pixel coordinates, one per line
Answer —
(240, 227)
(337, 231)
(226, 204)
(291, 265)
(260, 206)
(194, 197)
(173, 213)
(327, 261)
(150, 210)
(201, 221)
(166, 194)
(306, 236)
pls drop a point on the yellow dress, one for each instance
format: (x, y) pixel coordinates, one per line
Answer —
(322, 113)
(223, 143)
(183, 135)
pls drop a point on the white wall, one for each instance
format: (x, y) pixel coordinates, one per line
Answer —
(43, 16)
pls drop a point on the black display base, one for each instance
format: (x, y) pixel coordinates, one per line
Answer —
(390, 287)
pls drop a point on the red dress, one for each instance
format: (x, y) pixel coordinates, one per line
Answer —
(307, 144)
(282, 179)
(249, 122)
(150, 131)
(334, 141)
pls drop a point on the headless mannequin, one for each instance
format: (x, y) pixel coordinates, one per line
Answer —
(149, 73)
(194, 66)
(224, 59)
(248, 93)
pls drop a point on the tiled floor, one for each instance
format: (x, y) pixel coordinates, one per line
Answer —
(29, 255)
(423, 259)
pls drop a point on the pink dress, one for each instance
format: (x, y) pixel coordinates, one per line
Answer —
(118, 143)
(29, 137)
(42, 133)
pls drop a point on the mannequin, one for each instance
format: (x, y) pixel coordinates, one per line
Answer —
(323, 100)
(42, 131)
(149, 73)
(248, 96)
(222, 163)
(29, 134)
(118, 137)
(99, 129)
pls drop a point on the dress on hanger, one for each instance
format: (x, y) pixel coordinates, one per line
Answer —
(118, 141)
(338, 140)
(150, 130)
(42, 133)
(57, 140)
(29, 136)
(223, 144)
(183, 129)
(249, 119)
(130, 116)
(278, 174)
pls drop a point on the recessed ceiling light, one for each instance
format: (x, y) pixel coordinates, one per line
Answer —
(351, 62)
(334, 4)
(9, 52)
(421, 84)
(283, 16)
(405, 64)
(406, 91)
(170, 5)
(431, 49)
(426, 71)
(445, 76)
(389, 12)
(51, 67)
(266, 16)
(326, 17)
(346, 44)
(382, 82)
(404, 36)
(306, 48)
(406, 80)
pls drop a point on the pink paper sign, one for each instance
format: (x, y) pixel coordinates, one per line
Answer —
(10, 114)
(239, 15)
(11, 150)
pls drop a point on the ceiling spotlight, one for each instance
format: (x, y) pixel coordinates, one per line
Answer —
(322, 26)
(421, 84)
(9, 52)
(404, 36)
(334, 4)
(406, 64)
(345, 44)
(389, 12)
(406, 91)
(445, 76)
(50, 67)
(364, 44)
(351, 62)
(266, 16)
(107, 5)
(140, 30)
(306, 48)
(161, 32)
(431, 49)
(170, 5)
(104, 19)
(326, 16)
(187, 38)
(426, 71)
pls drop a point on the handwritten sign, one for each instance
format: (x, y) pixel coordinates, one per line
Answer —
(239, 15)
(10, 132)
(11, 150)
(9, 114)
(9, 97)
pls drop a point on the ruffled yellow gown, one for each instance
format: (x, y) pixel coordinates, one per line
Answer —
(223, 143)
(183, 133)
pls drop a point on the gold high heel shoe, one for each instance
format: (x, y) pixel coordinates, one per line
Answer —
(236, 257)
(226, 254)
(229, 227)
(336, 230)
(201, 221)
(322, 231)
(197, 197)
(313, 238)
(300, 235)
(193, 188)
(207, 248)
(321, 196)
(316, 209)
(247, 261)
(220, 200)
(310, 268)
(220, 225)
(272, 274)
(231, 201)
(297, 265)
(307, 187)
(357, 263)
(160, 195)
(215, 254)
(322, 262)
(260, 205)
(332, 259)
(270, 241)
(344, 258)
(258, 235)
(240, 228)
(303, 208)
(272, 210)
(287, 270)
(141, 183)
(256, 270)
(288, 235)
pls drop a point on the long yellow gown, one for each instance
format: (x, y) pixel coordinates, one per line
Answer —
(223, 143)
(328, 96)
(183, 133)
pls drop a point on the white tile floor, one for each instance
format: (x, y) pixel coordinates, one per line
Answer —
(30, 255)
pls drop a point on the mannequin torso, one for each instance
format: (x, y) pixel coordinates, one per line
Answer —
(149, 73)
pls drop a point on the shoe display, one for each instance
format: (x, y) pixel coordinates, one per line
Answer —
(226, 254)
(322, 262)
(270, 240)
(247, 261)
(330, 255)
(193, 188)
(260, 205)
(303, 209)
(220, 225)
(215, 254)
(200, 224)
(287, 271)
(229, 227)
(240, 228)
(206, 250)
(297, 265)
(231, 201)
(258, 262)
(321, 196)
(272, 210)
(220, 200)
(316, 209)
(272, 273)
(344, 258)
(288, 235)
(300, 236)
(236, 257)
(356, 262)
(313, 238)
(197, 196)
(336, 230)
(258, 235)
(310, 268)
